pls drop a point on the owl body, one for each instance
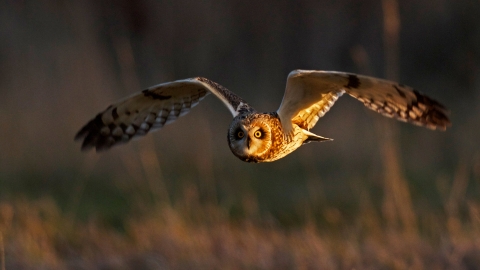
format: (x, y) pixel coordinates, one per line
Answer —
(261, 137)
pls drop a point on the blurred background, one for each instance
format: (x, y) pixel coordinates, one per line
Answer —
(383, 194)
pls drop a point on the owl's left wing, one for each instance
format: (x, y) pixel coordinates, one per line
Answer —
(309, 94)
(152, 109)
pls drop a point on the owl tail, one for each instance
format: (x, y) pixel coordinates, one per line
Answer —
(314, 137)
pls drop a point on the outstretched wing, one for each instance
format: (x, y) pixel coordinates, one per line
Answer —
(152, 109)
(310, 94)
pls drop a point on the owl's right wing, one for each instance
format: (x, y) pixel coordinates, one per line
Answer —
(152, 109)
(309, 94)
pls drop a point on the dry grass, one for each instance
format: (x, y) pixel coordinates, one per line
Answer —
(192, 235)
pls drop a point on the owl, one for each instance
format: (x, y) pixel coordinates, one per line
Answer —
(254, 136)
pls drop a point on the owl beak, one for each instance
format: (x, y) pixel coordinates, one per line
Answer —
(248, 142)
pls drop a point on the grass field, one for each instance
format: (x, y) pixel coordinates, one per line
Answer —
(111, 227)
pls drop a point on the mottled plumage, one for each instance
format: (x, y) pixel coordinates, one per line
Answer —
(261, 137)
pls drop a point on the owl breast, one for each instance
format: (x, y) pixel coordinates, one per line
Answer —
(259, 137)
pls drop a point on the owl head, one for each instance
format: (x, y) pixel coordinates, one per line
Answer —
(250, 136)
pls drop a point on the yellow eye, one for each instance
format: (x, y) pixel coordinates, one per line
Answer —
(257, 134)
(240, 134)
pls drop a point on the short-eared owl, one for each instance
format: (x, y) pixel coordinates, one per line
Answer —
(261, 137)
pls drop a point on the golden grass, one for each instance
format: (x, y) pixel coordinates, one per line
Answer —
(2, 251)
(195, 235)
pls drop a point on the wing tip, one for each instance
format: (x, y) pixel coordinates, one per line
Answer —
(92, 137)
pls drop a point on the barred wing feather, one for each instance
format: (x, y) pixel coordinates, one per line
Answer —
(151, 109)
(310, 94)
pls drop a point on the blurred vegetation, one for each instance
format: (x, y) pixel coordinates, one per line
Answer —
(383, 195)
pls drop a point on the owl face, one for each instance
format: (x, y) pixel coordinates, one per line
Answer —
(250, 137)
